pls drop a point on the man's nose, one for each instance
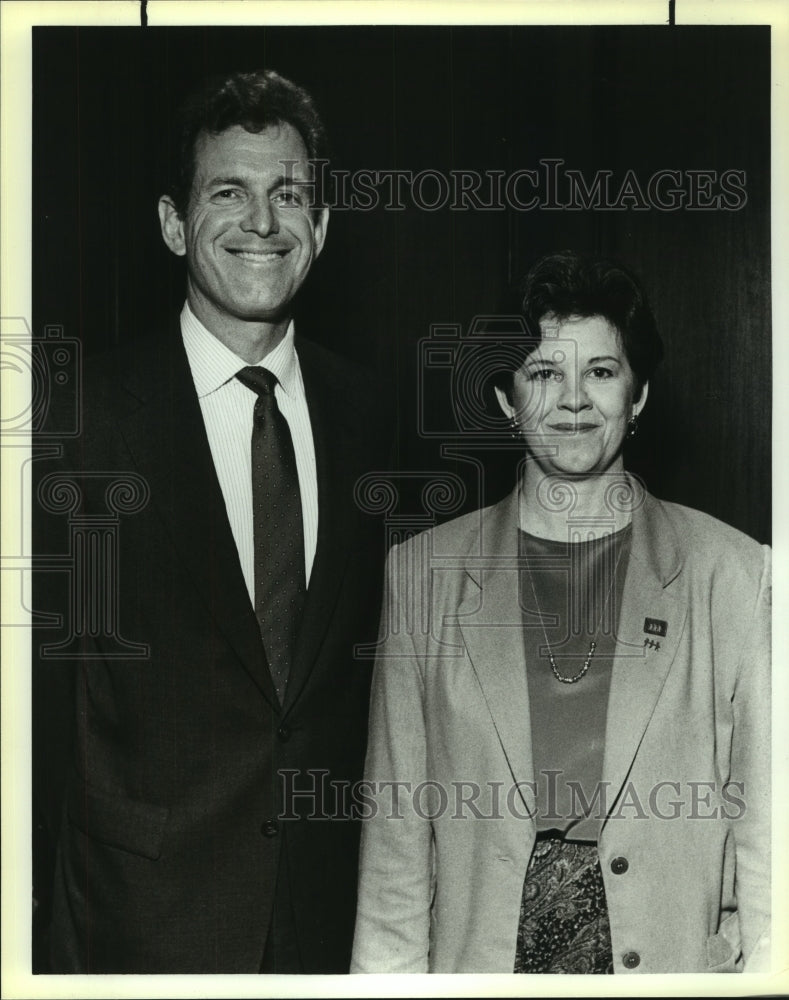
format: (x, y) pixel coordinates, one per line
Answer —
(260, 217)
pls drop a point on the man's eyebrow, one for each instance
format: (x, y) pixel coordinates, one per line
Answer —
(217, 181)
(290, 178)
(276, 182)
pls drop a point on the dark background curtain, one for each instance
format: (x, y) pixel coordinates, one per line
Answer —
(445, 99)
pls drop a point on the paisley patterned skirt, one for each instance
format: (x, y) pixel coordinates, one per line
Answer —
(563, 923)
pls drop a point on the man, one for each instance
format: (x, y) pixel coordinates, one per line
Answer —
(215, 709)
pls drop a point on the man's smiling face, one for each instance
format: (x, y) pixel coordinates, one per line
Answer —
(250, 233)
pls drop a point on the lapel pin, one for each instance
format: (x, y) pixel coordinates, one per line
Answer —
(651, 644)
(654, 626)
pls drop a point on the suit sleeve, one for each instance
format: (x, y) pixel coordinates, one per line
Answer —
(751, 766)
(393, 916)
(52, 696)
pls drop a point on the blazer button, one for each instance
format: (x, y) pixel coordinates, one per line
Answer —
(269, 828)
(619, 866)
(283, 734)
(631, 960)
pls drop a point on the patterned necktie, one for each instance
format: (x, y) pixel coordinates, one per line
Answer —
(278, 529)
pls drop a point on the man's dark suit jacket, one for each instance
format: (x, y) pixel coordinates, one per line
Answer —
(165, 807)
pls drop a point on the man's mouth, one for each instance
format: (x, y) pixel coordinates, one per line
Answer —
(259, 256)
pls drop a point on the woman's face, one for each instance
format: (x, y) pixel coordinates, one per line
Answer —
(572, 397)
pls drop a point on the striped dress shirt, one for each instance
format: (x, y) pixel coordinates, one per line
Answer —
(227, 408)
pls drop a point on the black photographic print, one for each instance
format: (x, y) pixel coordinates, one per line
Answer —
(477, 204)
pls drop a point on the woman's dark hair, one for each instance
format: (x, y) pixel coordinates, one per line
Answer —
(254, 101)
(566, 284)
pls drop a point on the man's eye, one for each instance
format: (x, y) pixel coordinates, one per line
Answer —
(226, 194)
(287, 196)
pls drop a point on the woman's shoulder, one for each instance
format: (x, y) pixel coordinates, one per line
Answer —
(709, 529)
(707, 539)
(455, 536)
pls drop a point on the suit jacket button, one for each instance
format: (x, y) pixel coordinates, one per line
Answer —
(283, 734)
(619, 866)
(269, 828)
(631, 960)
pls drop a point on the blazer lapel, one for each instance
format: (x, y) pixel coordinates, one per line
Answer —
(642, 658)
(490, 620)
(166, 436)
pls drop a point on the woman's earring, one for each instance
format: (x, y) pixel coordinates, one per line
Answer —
(632, 426)
(515, 431)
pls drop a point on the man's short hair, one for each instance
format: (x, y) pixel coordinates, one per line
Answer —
(254, 101)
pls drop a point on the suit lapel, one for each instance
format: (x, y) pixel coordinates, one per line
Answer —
(334, 433)
(165, 433)
(490, 619)
(642, 660)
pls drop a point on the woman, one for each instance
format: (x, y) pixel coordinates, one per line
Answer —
(568, 767)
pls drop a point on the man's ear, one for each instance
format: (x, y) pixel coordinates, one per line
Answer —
(172, 226)
(321, 225)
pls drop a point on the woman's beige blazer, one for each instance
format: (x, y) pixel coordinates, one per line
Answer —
(685, 845)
